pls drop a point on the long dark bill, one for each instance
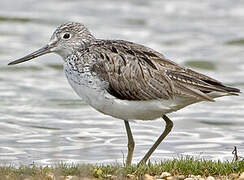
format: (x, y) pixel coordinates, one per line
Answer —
(39, 52)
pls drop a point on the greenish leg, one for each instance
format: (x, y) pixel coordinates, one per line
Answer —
(131, 143)
(168, 127)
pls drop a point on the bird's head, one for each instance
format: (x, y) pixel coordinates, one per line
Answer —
(67, 38)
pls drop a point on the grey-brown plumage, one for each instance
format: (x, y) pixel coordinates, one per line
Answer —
(127, 80)
(135, 72)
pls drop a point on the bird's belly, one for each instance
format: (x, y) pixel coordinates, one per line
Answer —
(137, 110)
(92, 92)
(122, 109)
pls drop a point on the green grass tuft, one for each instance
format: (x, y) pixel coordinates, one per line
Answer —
(184, 166)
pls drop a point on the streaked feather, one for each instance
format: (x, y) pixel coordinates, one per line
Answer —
(135, 72)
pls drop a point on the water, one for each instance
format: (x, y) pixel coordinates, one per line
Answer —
(43, 121)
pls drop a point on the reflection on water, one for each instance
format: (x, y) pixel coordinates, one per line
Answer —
(239, 42)
(201, 64)
(43, 121)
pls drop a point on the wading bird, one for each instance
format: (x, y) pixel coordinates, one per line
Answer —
(126, 80)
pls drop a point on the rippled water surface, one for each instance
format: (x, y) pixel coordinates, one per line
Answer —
(43, 121)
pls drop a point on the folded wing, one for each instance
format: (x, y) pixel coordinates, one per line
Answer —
(135, 72)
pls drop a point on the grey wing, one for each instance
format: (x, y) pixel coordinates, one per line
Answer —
(131, 75)
(135, 72)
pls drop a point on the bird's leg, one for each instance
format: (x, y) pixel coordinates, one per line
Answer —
(168, 127)
(131, 143)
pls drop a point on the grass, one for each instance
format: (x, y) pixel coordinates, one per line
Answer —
(183, 166)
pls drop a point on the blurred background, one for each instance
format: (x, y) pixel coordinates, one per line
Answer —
(43, 121)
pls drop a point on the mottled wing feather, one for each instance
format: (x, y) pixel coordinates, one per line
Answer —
(131, 74)
(135, 72)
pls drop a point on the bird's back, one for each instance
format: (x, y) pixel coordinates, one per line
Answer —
(135, 72)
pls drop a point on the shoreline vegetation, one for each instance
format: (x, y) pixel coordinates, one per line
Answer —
(178, 169)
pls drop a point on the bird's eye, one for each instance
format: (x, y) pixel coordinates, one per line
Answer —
(66, 36)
